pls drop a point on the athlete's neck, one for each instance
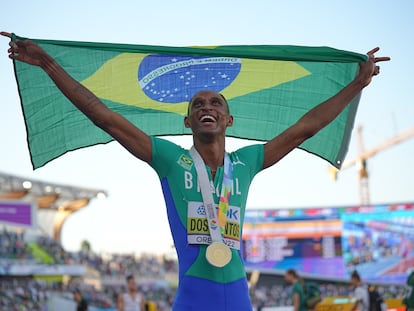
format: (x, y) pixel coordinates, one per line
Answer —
(212, 153)
(132, 292)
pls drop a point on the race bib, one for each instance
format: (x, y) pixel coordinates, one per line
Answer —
(197, 226)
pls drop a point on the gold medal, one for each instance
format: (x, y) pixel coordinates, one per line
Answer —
(218, 254)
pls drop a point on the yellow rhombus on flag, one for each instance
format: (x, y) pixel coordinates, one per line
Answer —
(268, 89)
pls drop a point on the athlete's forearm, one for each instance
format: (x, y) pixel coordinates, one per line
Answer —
(320, 116)
(311, 123)
(79, 95)
(128, 135)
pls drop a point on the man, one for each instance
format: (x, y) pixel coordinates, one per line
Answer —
(82, 304)
(408, 300)
(361, 293)
(298, 295)
(210, 278)
(132, 300)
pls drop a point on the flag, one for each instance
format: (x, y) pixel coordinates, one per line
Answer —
(268, 88)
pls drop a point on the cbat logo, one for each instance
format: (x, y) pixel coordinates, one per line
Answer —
(175, 79)
(185, 161)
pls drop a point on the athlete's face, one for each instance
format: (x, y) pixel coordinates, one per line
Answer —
(288, 278)
(208, 113)
(76, 296)
(132, 286)
(354, 281)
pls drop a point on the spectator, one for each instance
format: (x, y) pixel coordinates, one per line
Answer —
(82, 304)
(132, 300)
(298, 296)
(360, 293)
(409, 297)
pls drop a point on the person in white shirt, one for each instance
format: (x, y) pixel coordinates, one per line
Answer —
(132, 300)
(361, 294)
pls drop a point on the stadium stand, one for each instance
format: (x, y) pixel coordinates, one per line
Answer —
(30, 292)
(12, 246)
(35, 269)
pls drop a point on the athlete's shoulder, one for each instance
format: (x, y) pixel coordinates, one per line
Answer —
(164, 147)
(250, 149)
(252, 156)
(164, 153)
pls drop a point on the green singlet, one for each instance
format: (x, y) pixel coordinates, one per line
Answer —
(202, 286)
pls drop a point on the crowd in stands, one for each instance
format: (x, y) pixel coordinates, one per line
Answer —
(280, 295)
(145, 266)
(29, 294)
(150, 268)
(12, 246)
(24, 294)
(55, 249)
(21, 294)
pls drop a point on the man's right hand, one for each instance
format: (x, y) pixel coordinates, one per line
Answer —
(25, 51)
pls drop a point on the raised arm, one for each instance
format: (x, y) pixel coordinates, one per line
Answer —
(120, 302)
(127, 134)
(320, 116)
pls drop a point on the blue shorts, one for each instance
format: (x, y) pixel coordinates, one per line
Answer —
(196, 294)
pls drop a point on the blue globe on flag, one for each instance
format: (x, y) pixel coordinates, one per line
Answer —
(175, 79)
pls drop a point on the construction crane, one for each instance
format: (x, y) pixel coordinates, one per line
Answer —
(361, 160)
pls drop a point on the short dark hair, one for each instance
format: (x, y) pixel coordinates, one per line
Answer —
(355, 275)
(293, 273)
(129, 277)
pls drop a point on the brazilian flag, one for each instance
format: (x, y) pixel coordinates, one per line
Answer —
(268, 89)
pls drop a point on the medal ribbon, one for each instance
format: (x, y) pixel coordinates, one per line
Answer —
(226, 186)
(214, 222)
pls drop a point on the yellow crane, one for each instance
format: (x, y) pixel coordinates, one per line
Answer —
(361, 160)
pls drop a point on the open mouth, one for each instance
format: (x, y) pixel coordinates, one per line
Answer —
(207, 119)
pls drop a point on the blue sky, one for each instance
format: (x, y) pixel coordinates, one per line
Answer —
(132, 218)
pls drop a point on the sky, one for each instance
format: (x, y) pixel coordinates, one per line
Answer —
(132, 219)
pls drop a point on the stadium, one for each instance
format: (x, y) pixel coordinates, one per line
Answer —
(323, 244)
